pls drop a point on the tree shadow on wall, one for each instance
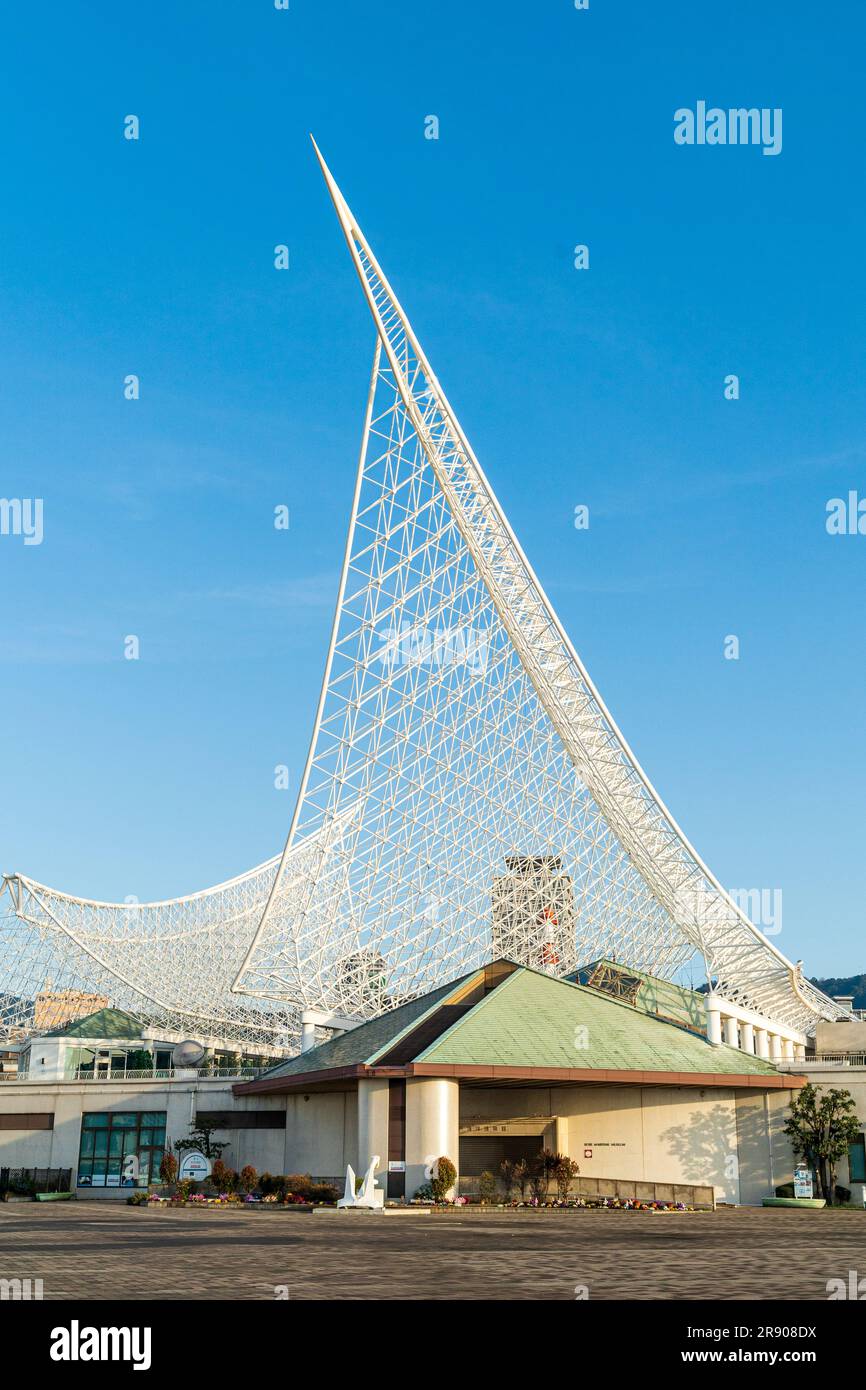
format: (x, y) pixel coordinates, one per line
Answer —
(703, 1146)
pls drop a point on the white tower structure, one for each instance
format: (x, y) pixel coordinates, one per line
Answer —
(457, 731)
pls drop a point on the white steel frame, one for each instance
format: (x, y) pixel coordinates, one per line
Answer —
(456, 726)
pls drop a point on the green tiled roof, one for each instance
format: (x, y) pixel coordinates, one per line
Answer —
(364, 1042)
(105, 1023)
(532, 1020)
(655, 996)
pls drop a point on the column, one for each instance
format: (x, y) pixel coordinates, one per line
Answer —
(747, 1035)
(800, 1051)
(776, 1047)
(372, 1126)
(714, 1020)
(432, 1127)
(762, 1043)
(732, 1037)
(788, 1047)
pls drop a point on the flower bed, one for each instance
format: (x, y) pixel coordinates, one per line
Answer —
(570, 1204)
(297, 1191)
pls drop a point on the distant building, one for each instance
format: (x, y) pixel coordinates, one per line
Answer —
(53, 1008)
(362, 978)
(533, 914)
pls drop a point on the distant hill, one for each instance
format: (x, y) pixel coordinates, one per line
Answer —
(850, 984)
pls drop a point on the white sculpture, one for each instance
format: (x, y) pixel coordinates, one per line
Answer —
(370, 1197)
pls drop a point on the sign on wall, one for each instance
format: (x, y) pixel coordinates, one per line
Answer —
(802, 1182)
(194, 1166)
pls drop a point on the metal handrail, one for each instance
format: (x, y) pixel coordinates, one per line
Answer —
(146, 1074)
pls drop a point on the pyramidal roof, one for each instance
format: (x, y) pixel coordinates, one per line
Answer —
(105, 1023)
(509, 1022)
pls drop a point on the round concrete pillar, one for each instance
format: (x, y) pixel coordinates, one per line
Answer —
(776, 1047)
(747, 1037)
(432, 1127)
(714, 1021)
(732, 1037)
(372, 1125)
(762, 1042)
(788, 1047)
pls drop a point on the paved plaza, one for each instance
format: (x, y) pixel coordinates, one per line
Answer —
(94, 1250)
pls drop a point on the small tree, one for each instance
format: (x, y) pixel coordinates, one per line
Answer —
(820, 1127)
(202, 1138)
(520, 1175)
(220, 1176)
(247, 1178)
(543, 1169)
(168, 1168)
(565, 1170)
(444, 1178)
(487, 1187)
(506, 1168)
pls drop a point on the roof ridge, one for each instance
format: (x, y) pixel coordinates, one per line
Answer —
(474, 1009)
(416, 1022)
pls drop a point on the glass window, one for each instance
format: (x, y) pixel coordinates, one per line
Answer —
(122, 1149)
(857, 1159)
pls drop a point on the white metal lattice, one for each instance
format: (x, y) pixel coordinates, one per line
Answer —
(467, 793)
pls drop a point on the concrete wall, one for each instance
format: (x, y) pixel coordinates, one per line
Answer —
(729, 1140)
(321, 1133)
(59, 1148)
(840, 1037)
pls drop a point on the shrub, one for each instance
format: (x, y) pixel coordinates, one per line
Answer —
(506, 1168)
(168, 1167)
(424, 1193)
(297, 1183)
(247, 1178)
(520, 1174)
(487, 1187)
(565, 1170)
(219, 1176)
(445, 1178)
(322, 1192)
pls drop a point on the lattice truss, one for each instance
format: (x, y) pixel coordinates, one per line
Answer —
(467, 794)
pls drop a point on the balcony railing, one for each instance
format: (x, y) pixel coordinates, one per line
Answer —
(147, 1074)
(822, 1059)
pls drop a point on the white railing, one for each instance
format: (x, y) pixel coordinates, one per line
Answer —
(821, 1060)
(146, 1074)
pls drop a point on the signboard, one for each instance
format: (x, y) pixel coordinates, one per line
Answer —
(193, 1166)
(129, 1171)
(396, 1165)
(802, 1182)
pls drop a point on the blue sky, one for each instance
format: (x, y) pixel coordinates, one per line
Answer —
(602, 387)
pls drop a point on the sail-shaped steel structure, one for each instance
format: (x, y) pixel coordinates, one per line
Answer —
(467, 791)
